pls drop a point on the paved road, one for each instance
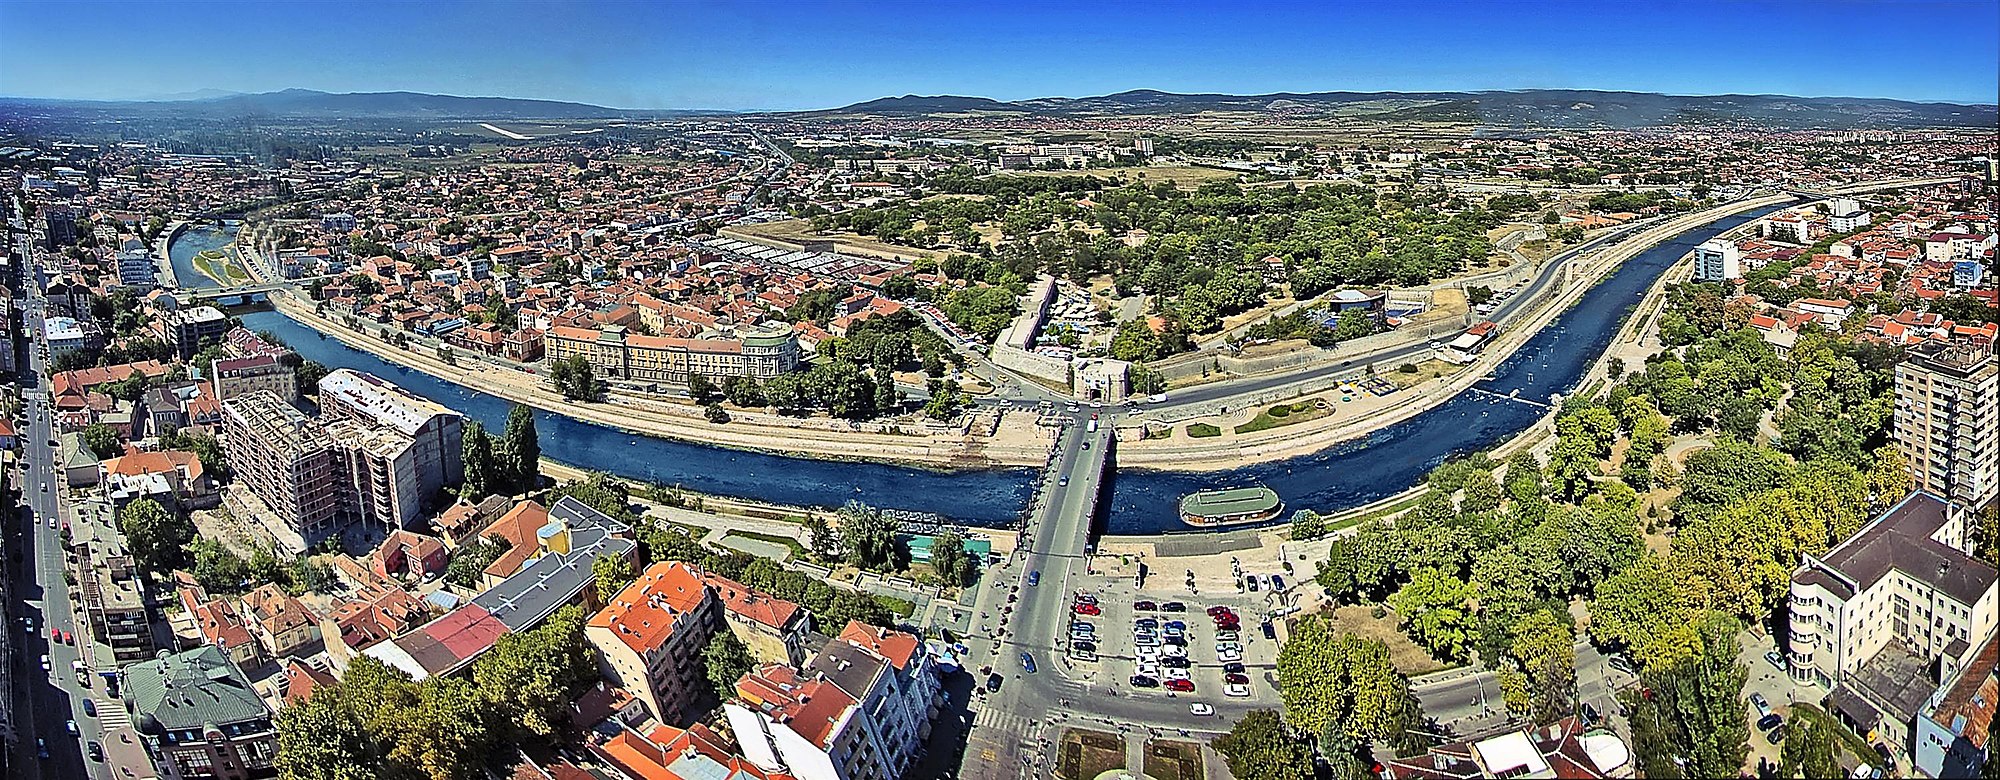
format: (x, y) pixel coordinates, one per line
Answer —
(45, 700)
(1469, 703)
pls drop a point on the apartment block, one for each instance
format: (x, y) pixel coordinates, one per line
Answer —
(109, 587)
(434, 454)
(199, 718)
(191, 329)
(1717, 260)
(650, 637)
(239, 375)
(287, 460)
(617, 354)
(860, 709)
(1948, 420)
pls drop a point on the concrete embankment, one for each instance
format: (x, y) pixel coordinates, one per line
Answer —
(664, 421)
(162, 253)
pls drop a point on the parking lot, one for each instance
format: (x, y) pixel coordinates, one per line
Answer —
(1162, 638)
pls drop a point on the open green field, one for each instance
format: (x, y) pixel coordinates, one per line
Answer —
(1179, 176)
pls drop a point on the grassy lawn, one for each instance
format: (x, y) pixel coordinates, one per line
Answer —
(798, 230)
(1173, 761)
(798, 550)
(902, 608)
(1426, 371)
(1202, 430)
(1086, 754)
(1285, 414)
(1406, 655)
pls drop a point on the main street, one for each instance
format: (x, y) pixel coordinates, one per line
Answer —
(47, 701)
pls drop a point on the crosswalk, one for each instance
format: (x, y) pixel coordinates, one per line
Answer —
(112, 717)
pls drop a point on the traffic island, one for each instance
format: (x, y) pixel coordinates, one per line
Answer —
(1086, 754)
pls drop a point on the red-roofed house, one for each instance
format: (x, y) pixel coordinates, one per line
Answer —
(650, 637)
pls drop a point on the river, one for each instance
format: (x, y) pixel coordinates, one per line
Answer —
(1346, 475)
(196, 239)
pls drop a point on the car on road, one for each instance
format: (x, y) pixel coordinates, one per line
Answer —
(993, 682)
(1181, 686)
(41, 748)
(1087, 609)
(1144, 606)
(1777, 659)
(45, 662)
(1142, 681)
(1064, 482)
(1202, 709)
(1028, 663)
(1236, 691)
(90, 707)
(28, 624)
(96, 750)
(71, 728)
(1034, 578)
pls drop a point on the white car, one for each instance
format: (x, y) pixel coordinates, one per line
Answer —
(1176, 674)
(1176, 651)
(1147, 653)
(1151, 669)
(1201, 708)
(1231, 656)
(1237, 690)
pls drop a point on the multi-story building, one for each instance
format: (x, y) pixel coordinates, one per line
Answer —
(1948, 420)
(1717, 260)
(285, 625)
(59, 225)
(287, 461)
(1845, 215)
(861, 709)
(614, 353)
(137, 269)
(1905, 577)
(199, 718)
(239, 375)
(192, 328)
(338, 222)
(109, 587)
(383, 481)
(435, 454)
(1952, 735)
(650, 637)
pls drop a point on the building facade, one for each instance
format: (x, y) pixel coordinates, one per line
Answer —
(1947, 420)
(236, 376)
(435, 455)
(649, 639)
(287, 461)
(616, 354)
(1717, 260)
(199, 718)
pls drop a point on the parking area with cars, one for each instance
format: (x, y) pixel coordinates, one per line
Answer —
(1129, 636)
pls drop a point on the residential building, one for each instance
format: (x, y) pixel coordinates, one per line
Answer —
(137, 270)
(110, 589)
(1564, 749)
(182, 473)
(558, 572)
(860, 709)
(1717, 260)
(239, 375)
(772, 628)
(287, 461)
(64, 335)
(1951, 735)
(199, 718)
(59, 225)
(222, 626)
(649, 639)
(433, 430)
(193, 328)
(338, 222)
(443, 646)
(1905, 580)
(669, 753)
(1845, 215)
(614, 353)
(1947, 420)
(383, 482)
(409, 554)
(285, 625)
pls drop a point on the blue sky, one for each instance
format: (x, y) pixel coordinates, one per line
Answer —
(788, 55)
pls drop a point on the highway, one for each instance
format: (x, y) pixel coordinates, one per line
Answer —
(45, 701)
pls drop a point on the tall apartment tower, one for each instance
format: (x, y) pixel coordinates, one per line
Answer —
(288, 461)
(1948, 420)
(1717, 260)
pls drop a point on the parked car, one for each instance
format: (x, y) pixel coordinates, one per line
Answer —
(1180, 686)
(1177, 625)
(1176, 674)
(96, 750)
(1085, 598)
(1219, 610)
(1146, 623)
(1173, 606)
(1144, 606)
(1230, 655)
(1776, 736)
(1763, 705)
(1770, 721)
(90, 707)
(1142, 681)
(1085, 645)
(1277, 582)
(1233, 669)
(1236, 691)
(1175, 661)
(1237, 679)
(1777, 659)
(1088, 609)
(1252, 582)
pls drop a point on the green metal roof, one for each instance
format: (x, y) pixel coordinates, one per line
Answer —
(1229, 503)
(190, 690)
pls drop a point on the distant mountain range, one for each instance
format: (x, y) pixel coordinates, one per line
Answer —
(1557, 108)
(313, 104)
(1527, 109)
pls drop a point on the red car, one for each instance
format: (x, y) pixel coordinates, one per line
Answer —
(1219, 610)
(1227, 625)
(1181, 686)
(1088, 609)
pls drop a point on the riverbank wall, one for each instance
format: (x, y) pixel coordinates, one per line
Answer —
(163, 254)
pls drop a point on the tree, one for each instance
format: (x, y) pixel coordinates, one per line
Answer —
(307, 375)
(1546, 651)
(724, 661)
(611, 573)
(103, 441)
(954, 566)
(1810, 749)
(155, 536)
(700, 389)
(1262, 747)
(822, 541)
(1343, 684)
(477, 454)
(469, 564)
(1692, 725)
(520, 452)
(217, 568)
(1433, 609)
(1307, 525)
(575, 379)
(873, 540)
(530, 678)
(319, 740)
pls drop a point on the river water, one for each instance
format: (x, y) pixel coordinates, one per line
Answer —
(196, 239)
(1346, 475)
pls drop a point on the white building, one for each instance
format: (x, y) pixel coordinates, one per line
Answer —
(64, 335)
(1905, 578)
(1845, 215)
(1717, 260)
(1948, 420)
(860, 710)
